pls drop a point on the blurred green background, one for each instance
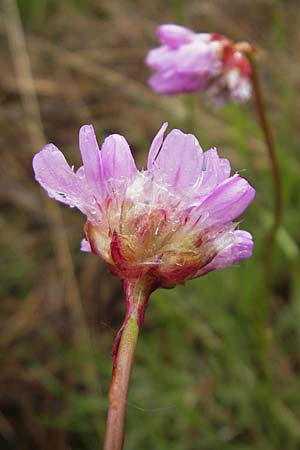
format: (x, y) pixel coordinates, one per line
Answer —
(218, 360)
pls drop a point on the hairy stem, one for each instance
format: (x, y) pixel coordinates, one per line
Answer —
(123, 355)
(261, 110)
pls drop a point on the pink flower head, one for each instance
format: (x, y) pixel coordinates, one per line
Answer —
(190, 62)
(168, 223)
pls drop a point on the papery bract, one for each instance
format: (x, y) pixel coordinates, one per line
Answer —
(166, 224)
(191, 62)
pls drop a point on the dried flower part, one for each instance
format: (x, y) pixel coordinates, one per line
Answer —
(191, 62)
(166, 224)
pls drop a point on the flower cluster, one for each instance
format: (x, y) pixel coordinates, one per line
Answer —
(191, 62)
(168, 223)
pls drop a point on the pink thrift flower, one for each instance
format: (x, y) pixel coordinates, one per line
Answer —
(167, 224)
(191, 62)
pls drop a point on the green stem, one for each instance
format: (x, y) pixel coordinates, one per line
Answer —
(262, 114)
(123, 354)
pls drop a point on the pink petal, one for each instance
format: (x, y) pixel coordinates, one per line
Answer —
(90, 154)
(156, 144)
(192, 58)
(227, 201)
(197, 57)
(85, 246)
(171, 82)
(224, 169)
(161, 58)
(215, 170)
(179, 162)
(241, 247)
(57, 178)
(174, 35)
(117, 159)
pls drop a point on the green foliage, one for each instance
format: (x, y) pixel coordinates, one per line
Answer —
(37, 12)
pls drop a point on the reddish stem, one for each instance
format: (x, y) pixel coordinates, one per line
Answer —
(269, 144)
(137, 296)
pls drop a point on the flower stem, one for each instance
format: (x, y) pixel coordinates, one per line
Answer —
(262, 114)
(115, 424)
(262, 305)
(123, 355)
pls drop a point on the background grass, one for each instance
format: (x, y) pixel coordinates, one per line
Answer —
(218, 362)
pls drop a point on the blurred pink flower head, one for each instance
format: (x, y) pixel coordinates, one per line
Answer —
(168, 223)
(191, 62)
